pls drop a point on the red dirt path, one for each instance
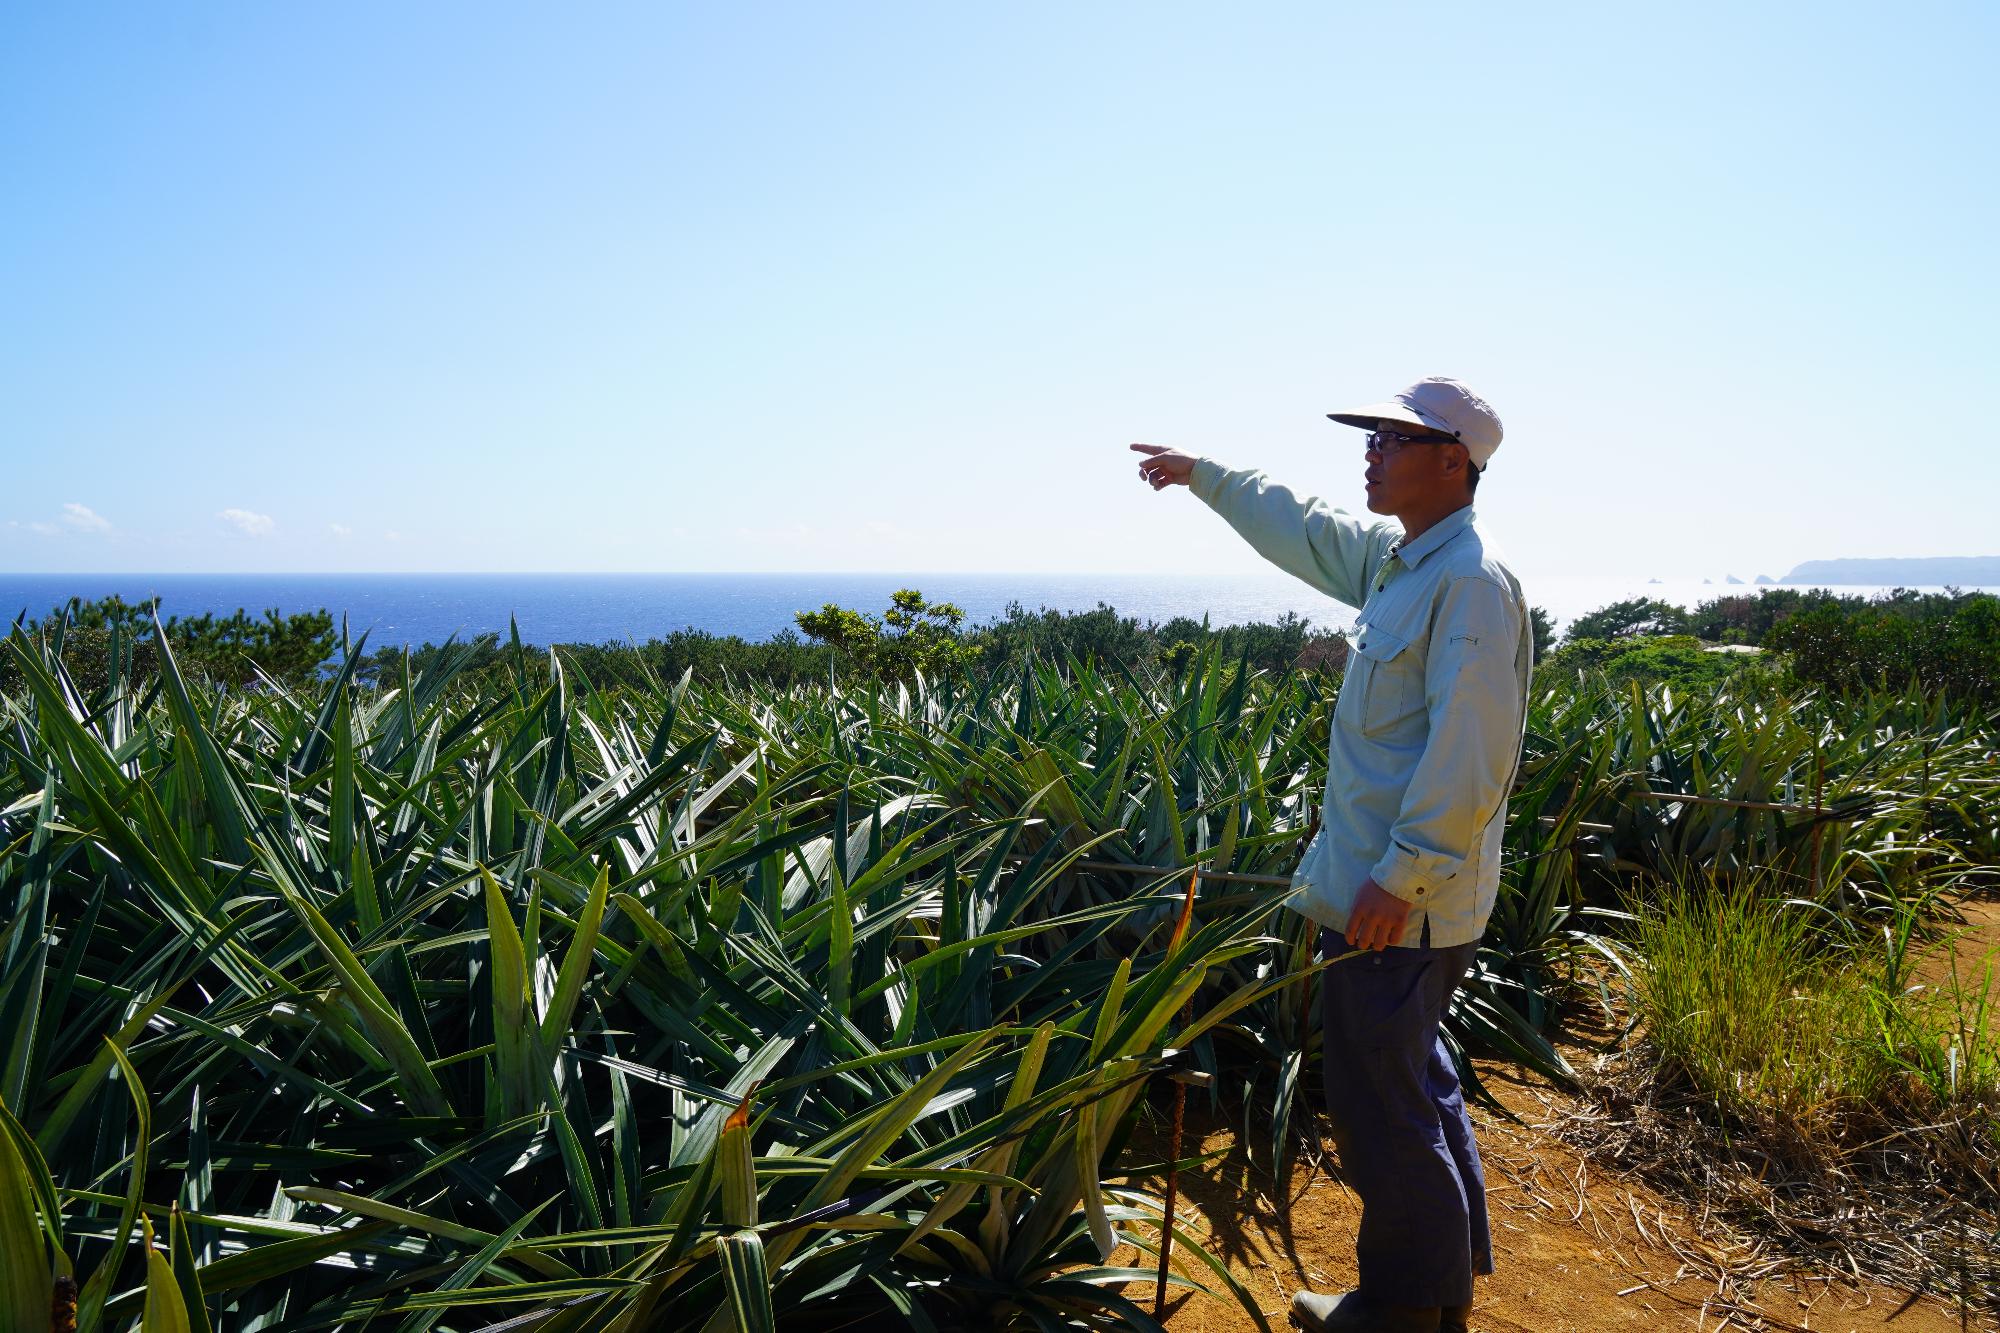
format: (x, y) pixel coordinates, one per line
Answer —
(1968, 956)
(1577, 1251)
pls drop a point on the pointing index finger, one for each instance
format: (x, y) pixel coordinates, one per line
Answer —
(1151, 448)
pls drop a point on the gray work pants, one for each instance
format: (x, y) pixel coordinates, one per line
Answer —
(1399, 1122)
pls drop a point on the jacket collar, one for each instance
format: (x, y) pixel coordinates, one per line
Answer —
(1412, 553)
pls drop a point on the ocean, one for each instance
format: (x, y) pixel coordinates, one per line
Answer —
(596, 608)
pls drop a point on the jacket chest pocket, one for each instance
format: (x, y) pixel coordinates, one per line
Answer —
(1384, 690)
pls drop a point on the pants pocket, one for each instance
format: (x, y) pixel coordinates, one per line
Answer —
(1383, 1000)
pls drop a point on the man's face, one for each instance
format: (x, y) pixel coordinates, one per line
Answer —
(1407, 466)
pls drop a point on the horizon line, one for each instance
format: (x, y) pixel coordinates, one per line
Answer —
(792, 573)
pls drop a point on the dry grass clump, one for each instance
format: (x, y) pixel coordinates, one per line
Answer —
(1795, 1083)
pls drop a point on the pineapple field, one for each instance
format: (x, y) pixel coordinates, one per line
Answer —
(454, 1001)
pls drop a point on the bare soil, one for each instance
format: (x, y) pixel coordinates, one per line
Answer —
(1970, 953)
(1576, 1250)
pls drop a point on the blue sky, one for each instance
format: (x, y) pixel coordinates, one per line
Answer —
(874, 286)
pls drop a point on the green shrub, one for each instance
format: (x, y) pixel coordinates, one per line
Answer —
(1543, 626)
(237, 649)
(912, 638)
(1943, 643)
(1638, 616)
(1748, 617)
(1098, 635)
(92, 659)
(1677, 661)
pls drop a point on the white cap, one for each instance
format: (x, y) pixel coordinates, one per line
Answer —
(1438, 404)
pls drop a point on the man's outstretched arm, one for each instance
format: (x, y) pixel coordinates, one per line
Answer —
(1333, 551)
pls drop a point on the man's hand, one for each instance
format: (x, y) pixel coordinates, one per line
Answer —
(1378, 918)
(1163, 467)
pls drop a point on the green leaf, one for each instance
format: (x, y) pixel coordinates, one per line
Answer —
(222, 803)
(165, 1310)
(466, 1274)
(553, 1291)
(513, 1040)
(91, 1302)
(413, 1220)
(840, 944)
(419, 1084)
(1089, 1151)
(24, 950)
(747, 1281)
(266, 1263)
(735, 1170)
(26, 1281)
(1107, 1010)
(186, 1278)
(575, 968)
(874, 1133)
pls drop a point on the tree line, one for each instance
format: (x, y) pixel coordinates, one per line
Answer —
(1945, 642)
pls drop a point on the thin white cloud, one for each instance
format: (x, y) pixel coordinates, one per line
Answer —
(43, 529)
(249, 522)
(340, 529)
(84, 519)
(792, 534)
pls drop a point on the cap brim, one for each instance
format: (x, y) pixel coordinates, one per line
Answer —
(1366, 417)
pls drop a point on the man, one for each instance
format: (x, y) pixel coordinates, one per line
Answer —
(1426, 736)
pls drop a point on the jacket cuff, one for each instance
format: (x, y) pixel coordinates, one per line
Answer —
(1207, 479)
(1399, 876)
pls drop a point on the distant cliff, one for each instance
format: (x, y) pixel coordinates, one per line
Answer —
(1962, 571)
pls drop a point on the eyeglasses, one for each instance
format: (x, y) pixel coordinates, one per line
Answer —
(1386, 442)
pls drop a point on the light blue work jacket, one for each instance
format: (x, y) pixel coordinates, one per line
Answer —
(1427, 729)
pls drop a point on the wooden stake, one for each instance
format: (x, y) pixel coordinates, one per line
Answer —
(1173, 1183)
(1180, 1112)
